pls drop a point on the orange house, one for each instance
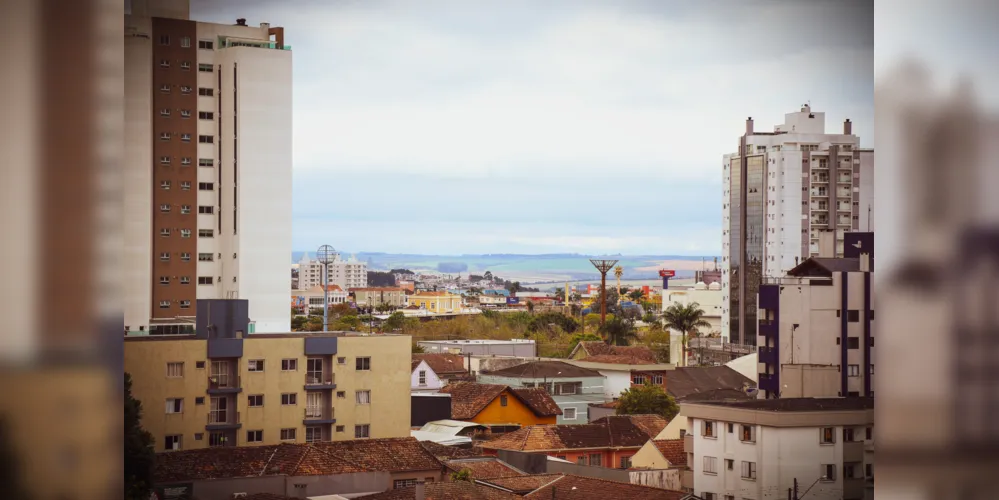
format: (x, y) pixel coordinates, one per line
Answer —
(496, 405)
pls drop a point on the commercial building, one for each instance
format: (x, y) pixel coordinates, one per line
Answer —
(208, 124)
(816, 326)
(224, 387)
(436, 302)
(758, 449)
(525, 348)
(376, 296)
(780, 190)
(345, 273)
(304, 300)
(572, 387)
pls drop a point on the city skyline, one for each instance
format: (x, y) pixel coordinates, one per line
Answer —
(630, 109)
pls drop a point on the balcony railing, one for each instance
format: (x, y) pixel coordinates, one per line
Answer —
(220, 418)
(318, 415)
(319, 381)
(224, 383)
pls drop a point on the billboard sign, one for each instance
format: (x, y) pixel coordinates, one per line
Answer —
(512, 301)
(667, 273)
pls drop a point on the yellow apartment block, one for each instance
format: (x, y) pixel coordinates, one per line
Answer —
(436, 302)
(263, 389)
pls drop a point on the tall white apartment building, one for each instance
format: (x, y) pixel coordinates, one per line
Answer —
(208, 168)
(346, 273)
(781, 190)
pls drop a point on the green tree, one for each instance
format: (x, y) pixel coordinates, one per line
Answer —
(139, 454)
(612, 305)
(636, 295)
(418, 349)
(647, 399)
(658, 341)
(548, 319)
(488, 275)
(582, 337)
(619, 331)
(513, 286)
(685, 319)
(462, 475)
(394, 322)
(530, 306)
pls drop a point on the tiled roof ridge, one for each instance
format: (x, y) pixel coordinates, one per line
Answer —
(334, 457)
(268, 463)
(617, 482)
(551, 483)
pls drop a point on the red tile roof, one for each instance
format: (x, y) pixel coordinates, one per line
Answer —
(524, 484)
(452, 490)
(571, 487)
(445, 452)
(608, 432)
(470, 398)
(651, 425)
(672, 451)
(443, 363)
(388, 454)
(484, 468)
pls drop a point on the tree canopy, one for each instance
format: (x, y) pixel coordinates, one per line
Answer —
(647, 399)
(619, 331)
(139, 453)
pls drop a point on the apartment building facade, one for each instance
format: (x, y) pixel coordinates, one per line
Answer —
(816, 326)
(376, 296)
(208, 184)
(346, 273)
(757, 449)
(780, 190)
(224, 387)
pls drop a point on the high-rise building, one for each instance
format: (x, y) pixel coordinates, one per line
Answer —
(345, 273)
(208, 168)
(781, 191)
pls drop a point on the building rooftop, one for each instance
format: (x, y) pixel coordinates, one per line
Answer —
(445, 452)
(477, 341)
(450, 490)
(571, 487)
(470, 398)
(608, 432)
(250, 336)
(825, 266)
(524, 484)
(672, 450)
(706, 382)
(545, 369)
(633, 354)
(797, 404)
(443, 363)
(649, 424)
(376, 289)
(484, 467)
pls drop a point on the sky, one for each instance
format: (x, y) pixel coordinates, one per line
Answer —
(513, 126)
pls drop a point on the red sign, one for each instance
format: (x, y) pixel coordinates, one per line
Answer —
(667, 273)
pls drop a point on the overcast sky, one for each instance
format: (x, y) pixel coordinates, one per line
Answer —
(493, 126)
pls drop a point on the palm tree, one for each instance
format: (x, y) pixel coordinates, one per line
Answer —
(686, 319)
(618, 331)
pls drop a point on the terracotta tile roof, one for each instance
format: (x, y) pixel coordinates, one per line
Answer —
(445, 452)
(484, 468)
(451, 490)
(600, 348)
(605, 433)
(470, 398)
(651, 425)
(524, 484)
(415, 363)
(337, 457)
(688, 381)
(546, 369)
(618, 359)
(672, 450)
(443, 363)
(571, 487)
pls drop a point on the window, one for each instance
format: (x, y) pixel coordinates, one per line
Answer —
(313, 434)
(165, 112)
(827, 435)
(749, 470)
(708, 496)
(828, 472)
(164, 136)
(205, 280)
(172, 442)
(403, 483)
(165, 208)
(185, 41)
(868, 433)
(185, 160)
(184, 256)
(175, 405)
(206, 115)
(164, 63)
(363, 397)
(731, 428)
(255, 400)
(362, 363)
(289, 365)
(657, 379)
(185, 138)
(254, 436)
(206, 44)
(708, 429)
(853, 370)
(422, 377)
(205, 68)
(341, 394)
(198, 436)
(185, 185)
(503, 400)
(164, 39)
(569, 414)
(581, 460)
(848, 434)
(185, 280)
(341, 360)
(206, 233)
(206, 139)
(595, 459)
(199, 400)
(165, 185)
(185, 65)
(185, 304)
(216, 438)
(289, 399)
(362, 431)
(207, 92)
(255, 365)
(869, 470)
(748, 434)
(165, 160)
(206, 162)
(288, 434)
(729, 464)
(853, 342)
(625, 462)
(165, 256)
(206, 257)
(206, 186)
(185, 233)
(339, 428)
(184, 89)
(185, 209)
(175, 369)
(853, 316)
(710, 465)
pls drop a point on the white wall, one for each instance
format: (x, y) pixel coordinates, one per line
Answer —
(433, 381)
(615, 382)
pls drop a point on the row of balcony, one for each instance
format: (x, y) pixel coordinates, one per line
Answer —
(229, 419)
(232, 384)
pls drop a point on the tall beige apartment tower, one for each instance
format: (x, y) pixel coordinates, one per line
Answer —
(208, 137)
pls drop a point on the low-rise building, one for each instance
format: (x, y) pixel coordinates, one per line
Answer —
(660, 454)
(445, 366)
(376, 296)
(525, 348)
(608, 442)
(304, 300)
(501, 407)
(758, 448)
(572, 387)
(436, 302)
(423, 378)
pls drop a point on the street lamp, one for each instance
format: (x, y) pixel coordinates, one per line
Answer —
(326, 255)
(603, 266)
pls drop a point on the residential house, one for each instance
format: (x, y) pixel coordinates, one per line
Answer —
(423, 377)
(436, 302)
(296, 470)
(572, 387)
(376, 296)
(224, 387)
(623, 372)
(741, 448)
(445, 366)
(608, 442)
(501, 407)
(660, 454)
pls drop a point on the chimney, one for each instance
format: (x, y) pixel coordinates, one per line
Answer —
(749, 126)
(847, 127)
(265, 26)
(421, 490)
(241, 21)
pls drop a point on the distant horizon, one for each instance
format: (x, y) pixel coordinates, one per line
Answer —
(515, 254)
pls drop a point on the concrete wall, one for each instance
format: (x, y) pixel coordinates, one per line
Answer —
(598, 413)
(668, 479)
(519, 349)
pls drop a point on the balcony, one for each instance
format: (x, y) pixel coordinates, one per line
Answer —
(223, 419)
(319, 382)
(224, 384)
(318, 415)
(768, 355)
